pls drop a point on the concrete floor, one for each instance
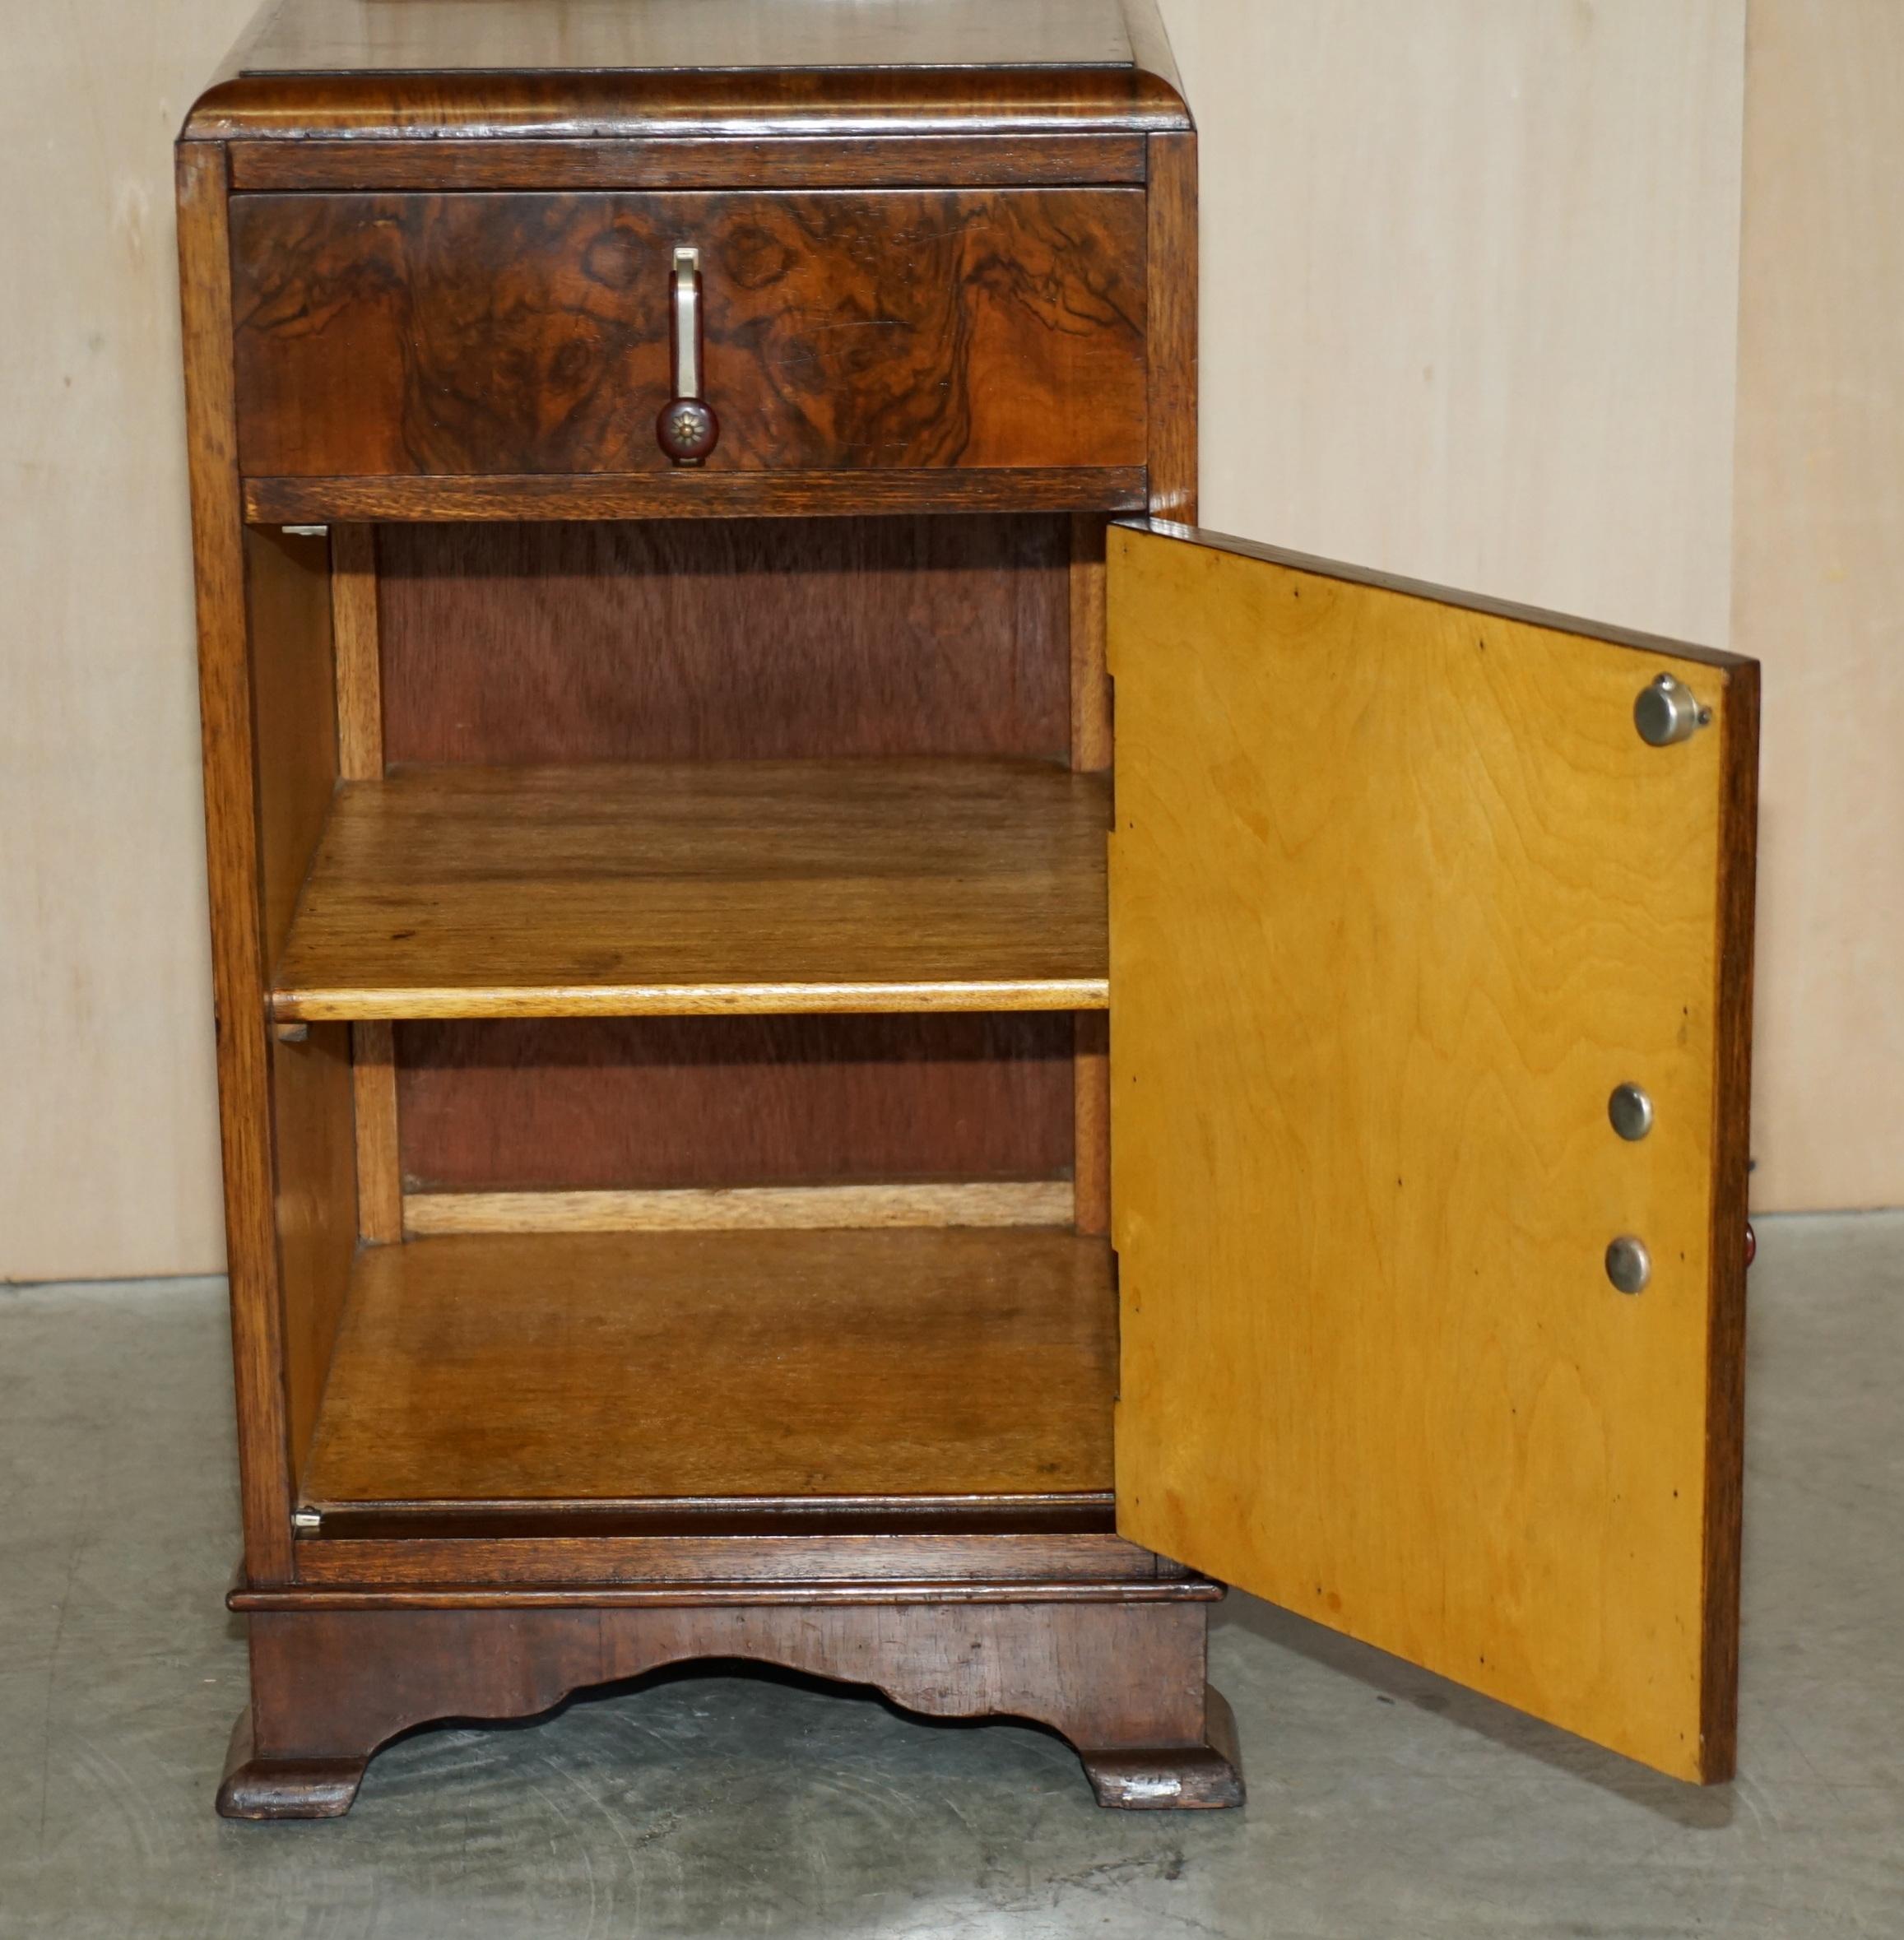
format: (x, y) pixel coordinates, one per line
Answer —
(1383, 1801)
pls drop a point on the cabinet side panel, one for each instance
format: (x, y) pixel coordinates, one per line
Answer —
(316, 1213)
(288, 613)
(288, 593)
(232, 860)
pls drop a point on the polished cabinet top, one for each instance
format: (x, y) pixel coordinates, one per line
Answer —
(568, 67)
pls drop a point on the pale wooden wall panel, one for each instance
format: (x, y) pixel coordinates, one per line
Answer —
(1470, 286)
(107, 1142)
(1820, 591)
(1470, 273)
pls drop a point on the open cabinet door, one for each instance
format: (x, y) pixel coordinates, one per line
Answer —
(1401, 897)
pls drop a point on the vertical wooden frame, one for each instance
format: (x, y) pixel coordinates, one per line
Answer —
(1170, 280)
(360, 675)
(225, 707)
(1090, 752)
(1732, 1166)
(354, 625)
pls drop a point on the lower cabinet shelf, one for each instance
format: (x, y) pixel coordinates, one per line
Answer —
(916, 1367)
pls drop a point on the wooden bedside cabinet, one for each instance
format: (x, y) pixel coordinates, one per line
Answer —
(754, 1125)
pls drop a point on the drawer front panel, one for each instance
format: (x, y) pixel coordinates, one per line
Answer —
(464, 334)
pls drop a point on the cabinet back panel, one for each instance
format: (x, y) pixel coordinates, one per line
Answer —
(646, 1102)
(682, 640)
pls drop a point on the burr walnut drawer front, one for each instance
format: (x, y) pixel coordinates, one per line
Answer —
(464, 334)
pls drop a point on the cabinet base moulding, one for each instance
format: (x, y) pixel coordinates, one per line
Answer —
(1125, 1684)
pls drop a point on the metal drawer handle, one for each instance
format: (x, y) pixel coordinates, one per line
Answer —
(687, 428)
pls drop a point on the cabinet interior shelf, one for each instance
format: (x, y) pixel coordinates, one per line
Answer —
(718, 887)
(932, 1367)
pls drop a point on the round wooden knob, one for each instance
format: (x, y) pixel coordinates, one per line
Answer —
(687, 429)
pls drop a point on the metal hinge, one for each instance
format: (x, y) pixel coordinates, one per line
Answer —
(306, 531)
(307, 1522)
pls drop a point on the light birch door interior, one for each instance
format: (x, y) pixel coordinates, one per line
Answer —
(1400, 896)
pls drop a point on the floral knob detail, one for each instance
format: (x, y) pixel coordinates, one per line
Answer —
(687, 429)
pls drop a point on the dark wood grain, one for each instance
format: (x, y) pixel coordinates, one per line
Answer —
(662, 1101)
(1027, 103)
(1076, 1513)
(1172, 326)
(233, 867)
(1730, 1244)
(698, 494)
(704, 1590)
(889, 161)
(255, 1787)
(725, 640)
(525, 333)
(579, 1561)
(1123, 1681)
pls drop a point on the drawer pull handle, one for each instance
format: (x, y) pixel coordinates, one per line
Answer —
(687, 428)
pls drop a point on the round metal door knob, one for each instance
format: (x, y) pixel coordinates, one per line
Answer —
(1668, 710)
(1628, 1264)
(1630, 1112)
